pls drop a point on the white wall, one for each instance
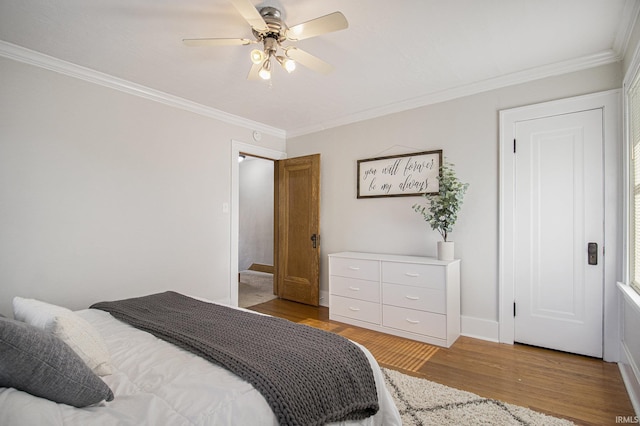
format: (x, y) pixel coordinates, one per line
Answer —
(467, 130)
(106, 195)
(255, 242)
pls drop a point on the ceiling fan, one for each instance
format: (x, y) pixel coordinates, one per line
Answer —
(270, 30)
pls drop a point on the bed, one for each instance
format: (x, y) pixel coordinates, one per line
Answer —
(154, 382)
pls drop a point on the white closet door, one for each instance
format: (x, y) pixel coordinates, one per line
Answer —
(559, 211)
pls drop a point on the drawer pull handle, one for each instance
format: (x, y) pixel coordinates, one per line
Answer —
(354, 268)
(412, 297)
(354, 288)
(410, 274)
(412, 321)
(351, 308)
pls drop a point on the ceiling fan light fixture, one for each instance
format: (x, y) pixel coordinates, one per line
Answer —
(287, 63)
(265, 71)
(268, 28)
(257, 56)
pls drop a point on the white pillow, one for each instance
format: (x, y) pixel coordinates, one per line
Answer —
(75, 331)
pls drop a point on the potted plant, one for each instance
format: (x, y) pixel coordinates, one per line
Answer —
(441, 211)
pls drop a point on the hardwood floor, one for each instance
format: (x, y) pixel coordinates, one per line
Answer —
(586, 390)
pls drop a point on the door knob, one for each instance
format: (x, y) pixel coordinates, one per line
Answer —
(314, 240)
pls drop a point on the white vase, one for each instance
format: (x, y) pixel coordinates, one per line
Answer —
(445, 250)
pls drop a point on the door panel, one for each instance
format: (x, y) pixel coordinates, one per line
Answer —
(559, 209)
(297, 221)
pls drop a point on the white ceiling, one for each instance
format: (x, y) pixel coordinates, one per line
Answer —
(394, 55)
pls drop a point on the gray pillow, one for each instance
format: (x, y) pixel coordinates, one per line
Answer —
(41, 364)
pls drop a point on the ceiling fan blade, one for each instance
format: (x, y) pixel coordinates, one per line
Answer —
(325, 24)
(217, 41)
(253, 72)
(308, 60)
(250, 14)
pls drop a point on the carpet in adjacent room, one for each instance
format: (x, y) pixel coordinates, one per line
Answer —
(255, 287)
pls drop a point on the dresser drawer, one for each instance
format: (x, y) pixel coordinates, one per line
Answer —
(355, 268)
(418, 298)
(419, 322)
(356, 309)
(356, 289)
(432, 276)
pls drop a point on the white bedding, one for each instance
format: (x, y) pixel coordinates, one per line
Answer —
(157, 383)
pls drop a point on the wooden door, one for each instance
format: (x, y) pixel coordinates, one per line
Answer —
(297, 229)
(559, 232)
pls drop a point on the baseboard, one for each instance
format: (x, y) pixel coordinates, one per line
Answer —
(479, 328)
(261, 268)
(324, 298)
(630, 377)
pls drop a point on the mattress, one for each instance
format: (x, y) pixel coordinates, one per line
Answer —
(157, 383)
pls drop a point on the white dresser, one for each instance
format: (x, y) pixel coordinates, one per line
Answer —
(409, 296)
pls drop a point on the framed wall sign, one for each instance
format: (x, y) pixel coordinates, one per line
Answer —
(399, 175)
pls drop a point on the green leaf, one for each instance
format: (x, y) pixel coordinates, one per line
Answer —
(443, 207)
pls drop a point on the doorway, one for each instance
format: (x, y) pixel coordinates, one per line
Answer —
(519, 217)
(296, 224)
(255, 233)
(251, 150)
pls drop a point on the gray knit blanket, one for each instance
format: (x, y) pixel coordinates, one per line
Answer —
(308, 376)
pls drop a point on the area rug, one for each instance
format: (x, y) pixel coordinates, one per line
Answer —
(254, 288)
(422, 402)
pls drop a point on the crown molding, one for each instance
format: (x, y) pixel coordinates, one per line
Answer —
(628, 21)
(21, 54)
(598, 59)
(31, 57)
(633, 70)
